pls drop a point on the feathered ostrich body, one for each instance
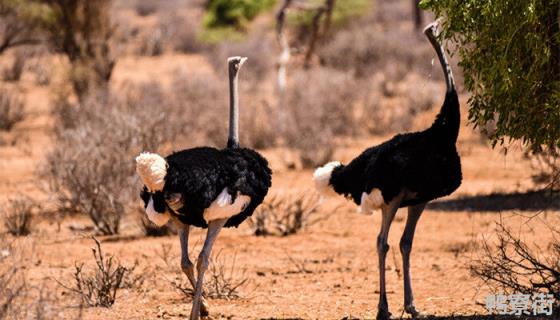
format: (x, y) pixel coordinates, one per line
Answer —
(409, 170)
(205, 187)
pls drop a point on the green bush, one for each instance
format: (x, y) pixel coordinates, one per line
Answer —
(510, 54)
(234, 13)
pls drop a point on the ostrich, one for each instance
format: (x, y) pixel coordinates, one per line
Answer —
(408, 170)
(206, 188)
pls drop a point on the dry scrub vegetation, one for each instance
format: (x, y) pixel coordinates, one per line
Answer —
(286, 215)
(224, 279)
(17, 215)
(19, 299)
(514, 266)
(98, 288)
(11, 109)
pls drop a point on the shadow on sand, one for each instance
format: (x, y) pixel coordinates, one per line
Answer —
(495, 202)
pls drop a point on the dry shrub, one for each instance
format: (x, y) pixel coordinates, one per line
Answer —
(364, 53)
(285, 216)
(91, 168)
(153, 43)
(183, 33)
(13, 283)
(18, 214)
(513, 267)
(18, 299)
(390, 107)
(11, 109)
(258, 124)
(99, 288)
(202, 99)
(318, 112)
(14, 72)
(146, 8)
(260, 50)
(223, 279)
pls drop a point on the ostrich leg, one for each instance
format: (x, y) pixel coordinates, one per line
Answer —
(187, 266)
(414, 213)
(388, 213)
(214, 228)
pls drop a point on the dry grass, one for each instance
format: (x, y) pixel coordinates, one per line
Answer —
(11, 109)
(18, 298)
(14, 72)
(99, 288)
(13, 283)
(17, 215)
(258, 48)
(512, 266)
(285, 216)
(146, 8)
(223, 279)
(319, 112)
(183, 33)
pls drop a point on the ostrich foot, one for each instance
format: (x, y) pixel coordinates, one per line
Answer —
(204, 308)
(411, 309)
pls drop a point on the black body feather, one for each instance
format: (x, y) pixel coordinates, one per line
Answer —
(425, 164)
(200, 175)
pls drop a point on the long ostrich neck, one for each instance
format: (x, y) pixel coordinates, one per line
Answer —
(448, 120)
(233, 138)
(448, 74)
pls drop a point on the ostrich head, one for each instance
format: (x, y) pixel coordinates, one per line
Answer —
(322, 178)
(235, 63)
(152, 169)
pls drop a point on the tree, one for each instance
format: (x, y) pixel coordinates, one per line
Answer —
(82, 30)
(510, 55)
(417, 14)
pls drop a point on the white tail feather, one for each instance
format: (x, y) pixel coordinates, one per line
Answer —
(152, 169)
(322, 178)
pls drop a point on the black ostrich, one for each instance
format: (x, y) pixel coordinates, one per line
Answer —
(205, 187)
(409, 170)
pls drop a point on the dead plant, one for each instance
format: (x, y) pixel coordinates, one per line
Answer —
(224, 279)
(284, 216)
(513, 267)
(11, 109)
(17, 215)
(14, 72)
(99, 289)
